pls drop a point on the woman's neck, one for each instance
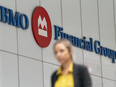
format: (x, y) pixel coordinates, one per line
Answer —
(66, 65)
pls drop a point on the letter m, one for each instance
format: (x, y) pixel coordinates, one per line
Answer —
(42, 26)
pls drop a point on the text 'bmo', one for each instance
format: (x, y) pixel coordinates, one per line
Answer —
(7, 16)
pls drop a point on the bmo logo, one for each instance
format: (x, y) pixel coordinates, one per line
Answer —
(41, 27)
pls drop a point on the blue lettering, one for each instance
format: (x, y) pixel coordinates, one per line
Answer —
(88, 45)
(12, 20)
(57, 31)
(84, 43)
(4, 14)
(91, 44)
(97, 50)
(7, 16)
(26, 22)
(71, 39)
(105, 52)
(76, 42)
(102, 50)
(80, 43)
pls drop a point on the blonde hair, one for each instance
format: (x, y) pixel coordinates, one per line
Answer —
(68, 45)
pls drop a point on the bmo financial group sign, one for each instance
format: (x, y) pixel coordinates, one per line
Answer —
(42, 31)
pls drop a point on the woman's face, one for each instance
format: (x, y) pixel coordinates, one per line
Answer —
(62, 53)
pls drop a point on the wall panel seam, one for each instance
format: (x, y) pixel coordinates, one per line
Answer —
(81, 28)
(99, 40)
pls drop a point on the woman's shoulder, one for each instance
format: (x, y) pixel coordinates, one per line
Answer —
(80, 67)
(53, 73)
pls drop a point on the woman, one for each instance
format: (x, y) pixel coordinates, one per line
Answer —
(69, 73)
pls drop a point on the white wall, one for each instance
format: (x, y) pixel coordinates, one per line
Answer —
(24, 64)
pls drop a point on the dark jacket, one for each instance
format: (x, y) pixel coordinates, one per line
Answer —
(80, 75)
